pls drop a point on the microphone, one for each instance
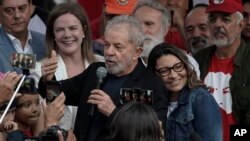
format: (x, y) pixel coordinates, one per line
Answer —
(195, 137)
(101, 72)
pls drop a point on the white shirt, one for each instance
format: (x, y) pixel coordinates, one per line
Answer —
(17, 44)
(194, 64)
(171, 107)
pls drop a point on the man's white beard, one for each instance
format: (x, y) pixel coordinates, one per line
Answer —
(223, 42)
(220, 42)
(150, 43)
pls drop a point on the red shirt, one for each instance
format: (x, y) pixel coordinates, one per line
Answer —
(28, 133)
(217, 79)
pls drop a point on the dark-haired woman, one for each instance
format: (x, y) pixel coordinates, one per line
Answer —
(192, 111)
(134, 121)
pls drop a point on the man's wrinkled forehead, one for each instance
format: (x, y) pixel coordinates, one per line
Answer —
(118, 27)
(220, 14)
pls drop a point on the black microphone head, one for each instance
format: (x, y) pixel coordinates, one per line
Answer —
(101, 72)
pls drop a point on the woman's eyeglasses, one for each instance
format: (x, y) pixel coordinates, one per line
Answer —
(178, 67)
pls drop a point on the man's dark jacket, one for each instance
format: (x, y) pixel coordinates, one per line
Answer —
(77, 91)
(239, 82)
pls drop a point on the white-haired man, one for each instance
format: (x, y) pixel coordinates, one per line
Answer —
(225, 66)
(155, 21)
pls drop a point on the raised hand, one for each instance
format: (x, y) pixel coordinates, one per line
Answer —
(7, 85)
(10, 126)
(49, 67)
(54, 111)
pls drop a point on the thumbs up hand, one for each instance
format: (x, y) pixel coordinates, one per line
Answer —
(49, 67)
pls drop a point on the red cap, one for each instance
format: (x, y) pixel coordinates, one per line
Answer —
(120, 7)
(227, 6)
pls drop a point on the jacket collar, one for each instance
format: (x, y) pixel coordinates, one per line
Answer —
(183, 98)
(239, 54)
(138, 70)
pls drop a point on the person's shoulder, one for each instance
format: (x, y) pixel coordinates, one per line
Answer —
(151, 77)
(91, 69)
(144, 74)
(204, 51)
(3, 34)
(36, 34)
(243, 54)
(204, 54)
(38, 38)
(246, 46)
(1, 29)
(200, 91)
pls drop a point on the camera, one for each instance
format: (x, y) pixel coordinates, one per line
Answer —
(52, 90)
(51, 134)
(136, 94)
(28, 86)
(23, 61)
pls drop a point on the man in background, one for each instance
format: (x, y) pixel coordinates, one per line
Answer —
(155, 21)
(246, 13)
(196, 29)
(15, 37)
(225, 66)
